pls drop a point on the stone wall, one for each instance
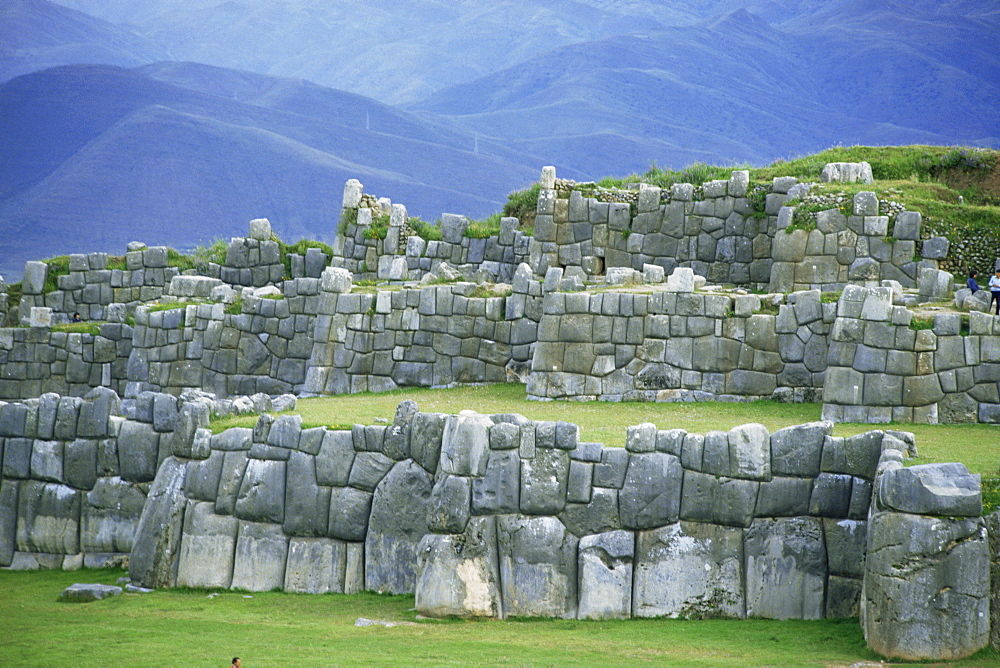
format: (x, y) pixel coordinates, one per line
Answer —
(716, 229)
(90, 287)
(383, 507)
(71, 489)
(880, 369)
(39, 360)
(663, 343)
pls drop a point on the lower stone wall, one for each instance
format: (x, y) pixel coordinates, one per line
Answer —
(383, 507)
(71, 489)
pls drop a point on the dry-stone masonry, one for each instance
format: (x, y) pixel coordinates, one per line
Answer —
(106, 455)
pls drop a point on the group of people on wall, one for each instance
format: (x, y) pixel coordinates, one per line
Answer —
(993, 285)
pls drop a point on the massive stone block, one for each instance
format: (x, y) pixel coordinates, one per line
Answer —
(538, 567)
(48, 518)
(321, 565)
(459, 574)
(261, 554)
(207, 547)
(398, 522)
(261, 496)
(156, 548)
(689, 569)
(786, 568)
(651, 494)
(926, 587)
(606, 570)
(110, 515)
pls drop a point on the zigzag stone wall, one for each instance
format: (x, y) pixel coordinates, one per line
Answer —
(881, 369)
(38, 360)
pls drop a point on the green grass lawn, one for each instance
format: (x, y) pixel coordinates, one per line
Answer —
(200, 628)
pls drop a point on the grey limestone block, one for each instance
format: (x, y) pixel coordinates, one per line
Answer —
(843, 597)
(84, 593)
(426, 436)
(846, 542)
(543, 482)
(368, 469)
(8, 520)
(284, 432)
(138, 451)
(335, 458)
(234, 465)
(322, 565)
(164, 412)
(17, 458)
(67, 414)
(689, 569)
(109, 516)
(786, 568)
(156, 546)
(260, 558)
(750, 452)
(717, 499)
(605, 569)
(538, 567)
(47, 461)
(48, 518)
(207, 547)
(856, 455)
(651, 494)
(935, 248)
(306, 502)
(907, 226)
(465, 444)
(599, 515)
(453, 227)
(797, 450)
(398, 522)
(641, 438)
(34, 277)
(947, 490)
(579, 482)
(459, 574)
(261, 496)
(498, 491)
(349, 512)
(784, 497)
(80, 463)
(450, 504)
(831, 495)
(98, 406)
(912, 560)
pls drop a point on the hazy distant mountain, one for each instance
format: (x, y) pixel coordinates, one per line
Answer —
(740, 89)
(179, 154)
(37, 34)
(396, 51)
(494, 90)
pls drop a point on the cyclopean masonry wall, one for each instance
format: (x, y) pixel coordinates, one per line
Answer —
(76, 471)
(501, 516)
(880, 369)
(666, 342)
(723, 230)
(38, 360)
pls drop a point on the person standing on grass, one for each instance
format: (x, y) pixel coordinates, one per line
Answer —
(971, 283)
(236, 662)
(994, 285)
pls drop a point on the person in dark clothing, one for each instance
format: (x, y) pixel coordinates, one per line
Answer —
(971, 283)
